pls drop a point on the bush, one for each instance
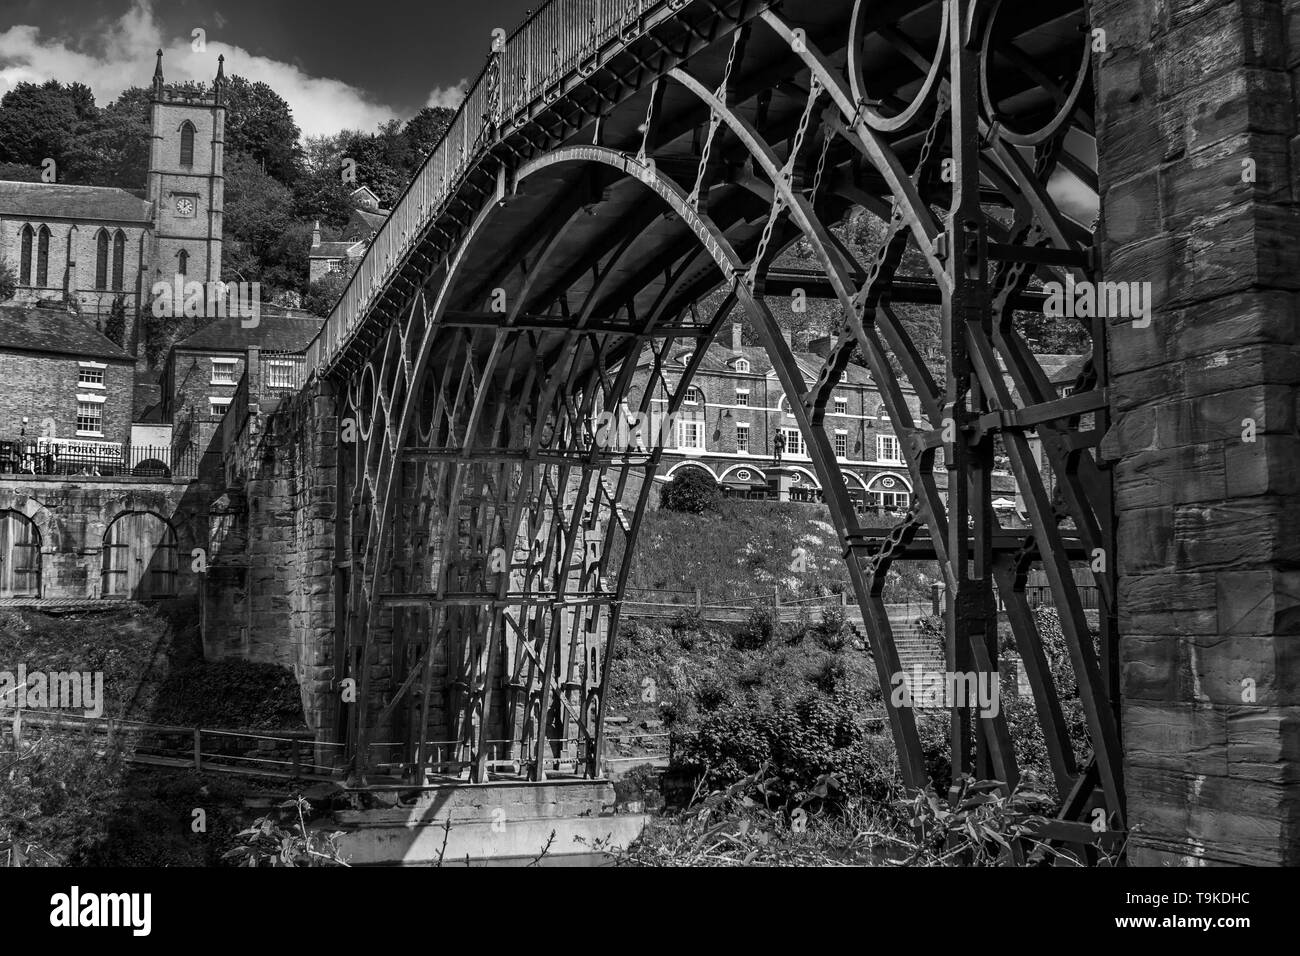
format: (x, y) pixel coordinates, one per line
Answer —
(801, 738)
(692, 491)
(759, 630)
(831, 631)
(8, 282)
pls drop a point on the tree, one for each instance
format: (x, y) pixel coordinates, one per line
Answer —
(260, 125)
(112, 148)
(382, 161)
(325, 291)
(320, 193)
(424, 131)
(693, 491)
(115, 326)
(20, 173)
(38, 122)
(258, 215)
(8, 281)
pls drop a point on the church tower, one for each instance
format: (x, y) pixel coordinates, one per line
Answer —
(186, 178)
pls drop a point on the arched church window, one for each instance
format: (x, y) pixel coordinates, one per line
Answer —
(101, 260)
(187, 143)
(43, 256)
(119, 259)
(183, 263)
(25, 264)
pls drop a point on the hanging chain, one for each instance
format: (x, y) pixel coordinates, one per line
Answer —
(649, 121)
(786, 173)
(715, 120)
(821, 168)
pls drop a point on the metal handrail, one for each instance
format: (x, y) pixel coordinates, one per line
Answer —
(548, 46)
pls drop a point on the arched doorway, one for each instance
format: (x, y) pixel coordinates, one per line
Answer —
(139, 557)
(20, 556)
(889, 493)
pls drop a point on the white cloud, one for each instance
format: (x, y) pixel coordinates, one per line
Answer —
(123, 57)
(448, 96)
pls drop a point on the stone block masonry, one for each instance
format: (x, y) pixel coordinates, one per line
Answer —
(271, 581)
(1197, 133)
(72, 518)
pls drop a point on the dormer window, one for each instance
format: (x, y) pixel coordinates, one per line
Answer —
(742, 365)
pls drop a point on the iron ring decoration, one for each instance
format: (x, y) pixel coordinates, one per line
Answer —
(997, 122)
(857, 82)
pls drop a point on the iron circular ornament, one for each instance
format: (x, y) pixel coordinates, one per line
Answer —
(999, 122)
(857, 82)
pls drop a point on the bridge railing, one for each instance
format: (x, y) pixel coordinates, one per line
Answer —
(552, 43)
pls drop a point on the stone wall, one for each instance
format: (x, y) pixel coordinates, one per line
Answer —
(1197, 140)
(270, 588)
(74, 514)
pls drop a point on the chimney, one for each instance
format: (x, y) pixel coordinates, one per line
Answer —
(735, 337)
(315, 234)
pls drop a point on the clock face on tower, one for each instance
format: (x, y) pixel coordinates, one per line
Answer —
(184, 206)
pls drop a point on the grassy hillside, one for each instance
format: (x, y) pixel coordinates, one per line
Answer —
(740, 553)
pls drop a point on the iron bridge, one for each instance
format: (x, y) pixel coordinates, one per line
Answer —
(620, 182)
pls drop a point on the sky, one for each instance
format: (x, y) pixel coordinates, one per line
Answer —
(340, 64)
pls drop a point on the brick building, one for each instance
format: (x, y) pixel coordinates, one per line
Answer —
(362, 224)
(202, 372)
(72, 384)
(736, 408)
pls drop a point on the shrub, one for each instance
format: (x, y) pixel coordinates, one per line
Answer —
(8, 282)
(692, 491)
(759, 630)
(801, 738)
(832, 629)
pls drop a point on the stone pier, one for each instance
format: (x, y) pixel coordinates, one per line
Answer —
(1196, 130)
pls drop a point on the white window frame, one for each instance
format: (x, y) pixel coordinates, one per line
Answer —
(230, 366)
(742, 428)
(84, 367)
(280, 365)
(794, 447)
(693, 426)
(885, 442)
(742, 397)
(693, 396)
(95, 401)
(841, 437)
(841, 405)
(742, 365)
(213, 402)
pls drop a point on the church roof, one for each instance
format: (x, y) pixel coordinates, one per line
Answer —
(57, 201)
(277, 331)
(55, 331)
